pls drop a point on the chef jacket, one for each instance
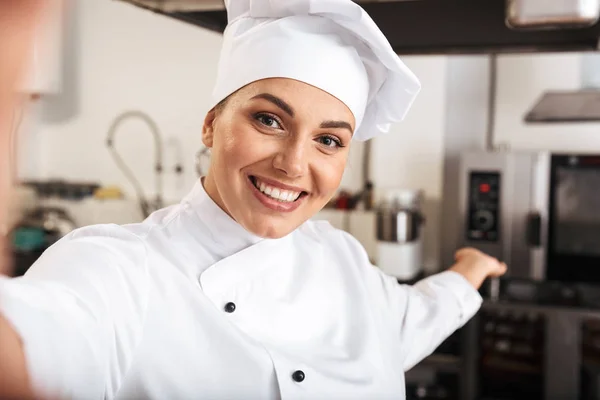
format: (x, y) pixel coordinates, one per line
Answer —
(188, 305)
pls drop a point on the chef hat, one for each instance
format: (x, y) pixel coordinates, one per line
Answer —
(331, 44)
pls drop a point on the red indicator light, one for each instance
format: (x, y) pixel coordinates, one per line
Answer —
(484, 188)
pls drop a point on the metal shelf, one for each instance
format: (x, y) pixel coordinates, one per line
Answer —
(442, 362)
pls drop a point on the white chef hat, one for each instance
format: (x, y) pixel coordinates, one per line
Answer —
(331, 44)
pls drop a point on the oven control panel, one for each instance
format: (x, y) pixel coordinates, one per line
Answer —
(483, 217)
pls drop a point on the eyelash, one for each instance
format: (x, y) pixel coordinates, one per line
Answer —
(260, 118)
(338, 142)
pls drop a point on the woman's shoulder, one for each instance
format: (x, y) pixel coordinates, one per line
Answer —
(93, 258)
(93, 243)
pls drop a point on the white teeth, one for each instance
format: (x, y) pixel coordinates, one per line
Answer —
(276, 193)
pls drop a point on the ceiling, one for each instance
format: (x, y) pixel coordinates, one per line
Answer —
(420, 26)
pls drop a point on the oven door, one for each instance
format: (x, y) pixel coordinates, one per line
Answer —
(573, 253)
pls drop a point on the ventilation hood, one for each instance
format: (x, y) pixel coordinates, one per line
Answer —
(446, 26)
(581, 105)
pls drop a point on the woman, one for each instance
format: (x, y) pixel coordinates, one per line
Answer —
(233, 293)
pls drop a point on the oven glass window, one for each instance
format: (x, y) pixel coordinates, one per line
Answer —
(577, 206)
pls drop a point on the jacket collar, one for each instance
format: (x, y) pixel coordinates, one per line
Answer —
(223, 234)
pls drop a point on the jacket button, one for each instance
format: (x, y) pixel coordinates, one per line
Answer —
(298, 376)
(230, 307)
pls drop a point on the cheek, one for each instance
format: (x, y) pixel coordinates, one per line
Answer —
(329, 174)
(237, 146)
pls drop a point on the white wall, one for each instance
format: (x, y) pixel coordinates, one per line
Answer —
(409, 156)
(123, 58)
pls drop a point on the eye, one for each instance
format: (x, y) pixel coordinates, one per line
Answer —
(330, 141)
(268, 120)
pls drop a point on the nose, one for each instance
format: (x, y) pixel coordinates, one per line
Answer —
(292, 158)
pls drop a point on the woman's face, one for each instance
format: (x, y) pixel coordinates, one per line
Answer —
(279, 148)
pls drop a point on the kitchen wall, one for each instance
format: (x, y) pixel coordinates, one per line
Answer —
(119, 57)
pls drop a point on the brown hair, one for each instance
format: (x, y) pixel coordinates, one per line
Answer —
(220, 105)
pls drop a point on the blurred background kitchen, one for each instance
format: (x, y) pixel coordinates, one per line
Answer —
(500, 151)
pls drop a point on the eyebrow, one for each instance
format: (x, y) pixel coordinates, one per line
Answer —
(290, 111)
(336, 125)
(277, 101)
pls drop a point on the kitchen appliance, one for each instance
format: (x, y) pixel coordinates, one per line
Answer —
(445, 390)
(579, 105)
(538, 340)
(536, 211)
(88, 203)
(535, 350)
(512, 348)
(39, 229)
(399, 240)
(590, 358)
(544, 14)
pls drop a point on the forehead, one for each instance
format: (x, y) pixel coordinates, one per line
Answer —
(301, 96)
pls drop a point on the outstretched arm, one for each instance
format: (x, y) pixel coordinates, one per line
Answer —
(18, 20)
(437, 306)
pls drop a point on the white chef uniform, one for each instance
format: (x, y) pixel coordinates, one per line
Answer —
(190, 305)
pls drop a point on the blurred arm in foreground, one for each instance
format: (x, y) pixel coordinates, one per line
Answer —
(18, 20)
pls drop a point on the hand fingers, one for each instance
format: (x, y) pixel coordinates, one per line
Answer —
(498, 272)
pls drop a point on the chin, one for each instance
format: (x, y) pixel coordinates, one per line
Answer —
(268, 230)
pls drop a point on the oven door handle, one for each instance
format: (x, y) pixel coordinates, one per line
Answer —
(534, 229)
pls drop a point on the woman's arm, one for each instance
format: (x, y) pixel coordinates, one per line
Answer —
(14, 381)
(437, 306)
(18, 20)
(79, 313)
(423, 315)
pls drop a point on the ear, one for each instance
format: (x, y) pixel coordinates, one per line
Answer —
(208, 129)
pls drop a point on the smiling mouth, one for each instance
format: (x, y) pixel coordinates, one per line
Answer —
(275, 193)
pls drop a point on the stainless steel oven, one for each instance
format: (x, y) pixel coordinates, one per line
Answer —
(537, 211)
